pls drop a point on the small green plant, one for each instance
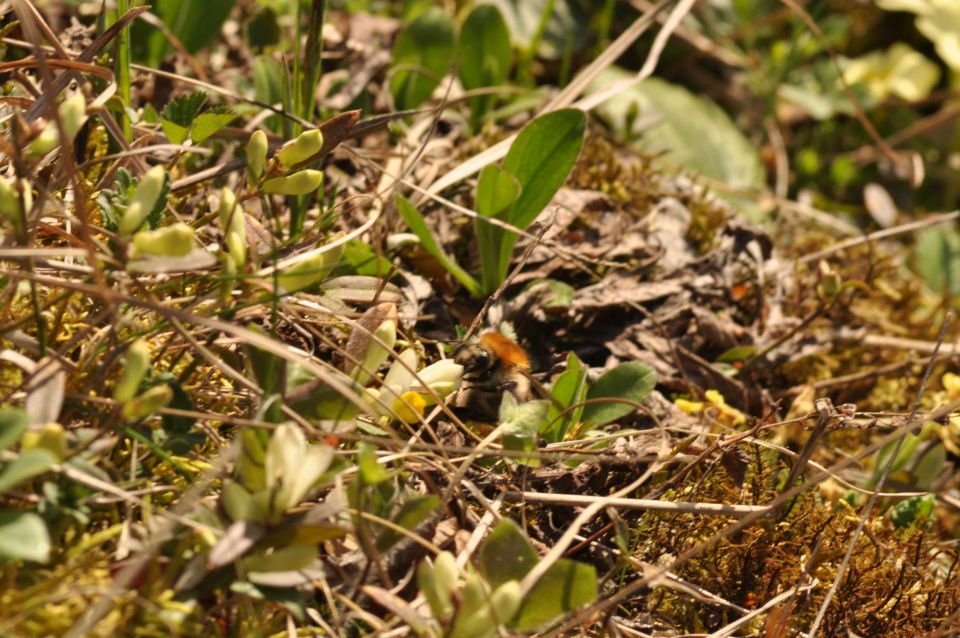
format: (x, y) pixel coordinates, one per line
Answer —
(23, 534)
(535, 167)
(477, 603)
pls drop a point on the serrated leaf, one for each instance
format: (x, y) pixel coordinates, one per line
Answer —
(211, 121)
(632, 381)
(506, 555)
(182, 110)
(566, 586)
(24, 536)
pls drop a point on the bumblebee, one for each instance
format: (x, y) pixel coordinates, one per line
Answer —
(492, 364)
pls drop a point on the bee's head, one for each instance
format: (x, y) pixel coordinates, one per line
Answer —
(489, 351)
(474, 357)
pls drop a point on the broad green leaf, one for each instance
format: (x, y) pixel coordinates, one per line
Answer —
(418, 227)
(632, 381)
(268, 79)
(569, 389)
(905, 452)
(497, 190)
(485, 56)
(506, 555)
(540, 158)
(13, 423)
(563, 29)
(263, 30)
(929, 466)
(690, 130)
(413, 512)
(422, 55)
(938, 259)
(364, 260)
(24, 536)
(29, 464)
(195, 24)
(211, 121)
(566, 586)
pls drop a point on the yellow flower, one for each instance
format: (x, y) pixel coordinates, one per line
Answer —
(951, 383)
(412, 410)
(724, 413)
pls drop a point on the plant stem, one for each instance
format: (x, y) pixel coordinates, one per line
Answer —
(123, 70)
(525, 73)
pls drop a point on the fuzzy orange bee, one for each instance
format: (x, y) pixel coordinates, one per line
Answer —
(492, 364)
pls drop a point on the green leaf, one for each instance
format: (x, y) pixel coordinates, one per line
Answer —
(29, 464)
(569, 389)
(540, 158)
(929, 466)
(179, 114)
(24, 536)
(524, 419)
(13, 423)
(566, 586)
(486, 48)
(364, 260)
(736, 353)
(195, 24)
(268, 78)
(912, 510)
(485, 56)
(263, 29)
(413, 512)
(506, 555)
(632, 381)
(418, 227)
(938, 259)
(564, 29)
(211, 121)
(497, 190)
(422, 55)
(370, 470)
(690, 130)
